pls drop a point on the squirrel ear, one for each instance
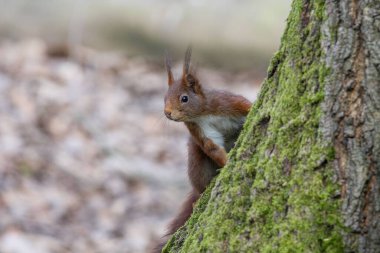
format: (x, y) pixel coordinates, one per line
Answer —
(192, 82)
(188, 77)
(168, 65)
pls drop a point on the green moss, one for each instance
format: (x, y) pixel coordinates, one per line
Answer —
(276, 193)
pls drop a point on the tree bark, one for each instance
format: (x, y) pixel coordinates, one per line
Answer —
(305, 173)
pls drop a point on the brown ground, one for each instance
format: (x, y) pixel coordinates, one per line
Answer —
(88, 163)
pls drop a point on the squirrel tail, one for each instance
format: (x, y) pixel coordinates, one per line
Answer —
(184, 214)
(180, 219)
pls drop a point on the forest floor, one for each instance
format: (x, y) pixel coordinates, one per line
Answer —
(88, 162)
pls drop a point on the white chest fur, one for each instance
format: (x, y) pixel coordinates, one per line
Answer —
(219, 129)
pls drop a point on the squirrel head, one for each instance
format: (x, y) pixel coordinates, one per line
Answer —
(184, 100)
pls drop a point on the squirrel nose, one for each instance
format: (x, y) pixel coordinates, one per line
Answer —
(168, 113)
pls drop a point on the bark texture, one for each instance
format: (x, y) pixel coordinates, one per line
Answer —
(305, 173)
(352, 115)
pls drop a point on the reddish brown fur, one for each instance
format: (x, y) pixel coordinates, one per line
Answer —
(201, 167)
(205, 157)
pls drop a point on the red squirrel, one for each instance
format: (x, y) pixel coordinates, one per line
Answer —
(214, 119)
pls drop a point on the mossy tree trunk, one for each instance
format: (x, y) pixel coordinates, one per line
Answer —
(305, 173)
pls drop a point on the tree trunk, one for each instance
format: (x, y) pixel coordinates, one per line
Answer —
(305, 173)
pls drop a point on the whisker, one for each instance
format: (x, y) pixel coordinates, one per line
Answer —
(158, 121)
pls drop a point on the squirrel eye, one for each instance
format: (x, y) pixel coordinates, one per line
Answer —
(184, 99)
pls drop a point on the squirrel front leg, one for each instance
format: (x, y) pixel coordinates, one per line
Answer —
(216, 152)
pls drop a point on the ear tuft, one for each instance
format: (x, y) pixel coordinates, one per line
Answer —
(168, 65)
(186, 65)
(189, 77)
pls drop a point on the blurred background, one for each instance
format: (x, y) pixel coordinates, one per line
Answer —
(88, 162)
